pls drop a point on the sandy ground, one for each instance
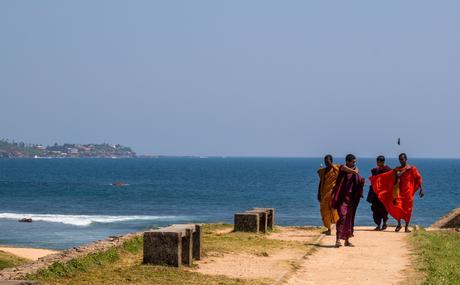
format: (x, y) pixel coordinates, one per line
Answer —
(273, 266)
(377, 258)
(28, 253)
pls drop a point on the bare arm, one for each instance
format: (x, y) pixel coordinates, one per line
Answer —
(422, 191)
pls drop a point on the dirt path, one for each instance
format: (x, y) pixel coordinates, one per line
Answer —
(271, 266)
(377, 258)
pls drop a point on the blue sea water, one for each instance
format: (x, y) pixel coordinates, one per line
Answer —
(73, 202)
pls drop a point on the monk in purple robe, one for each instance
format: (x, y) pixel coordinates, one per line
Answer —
(347, 192)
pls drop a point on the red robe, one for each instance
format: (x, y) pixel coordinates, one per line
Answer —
(383, 186)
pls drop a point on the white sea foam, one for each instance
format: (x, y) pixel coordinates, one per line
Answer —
(82, 220)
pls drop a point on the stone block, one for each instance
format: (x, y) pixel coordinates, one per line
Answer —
(270, 217)
(247, 222)
(163, 248)
(263, 214)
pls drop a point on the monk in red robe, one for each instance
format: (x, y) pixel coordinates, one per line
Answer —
(396, 190)
(345, 198)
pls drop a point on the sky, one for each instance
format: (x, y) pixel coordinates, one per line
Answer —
(234, 78)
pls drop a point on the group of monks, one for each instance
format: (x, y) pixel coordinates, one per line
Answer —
(341, 188)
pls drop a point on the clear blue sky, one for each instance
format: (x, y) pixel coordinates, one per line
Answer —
(244, 78)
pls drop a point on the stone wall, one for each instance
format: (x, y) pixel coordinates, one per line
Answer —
(451, 220)
(20, 272)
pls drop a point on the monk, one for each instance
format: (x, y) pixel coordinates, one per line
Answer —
(379, 212)
(397, 189)
(345, 197)
(327, 179)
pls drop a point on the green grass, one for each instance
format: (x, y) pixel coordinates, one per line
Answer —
(123, 265)
(240, 242)
(8, 260)
(438, 256)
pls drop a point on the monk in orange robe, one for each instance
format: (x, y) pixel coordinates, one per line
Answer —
(396, 190)
(327, 180)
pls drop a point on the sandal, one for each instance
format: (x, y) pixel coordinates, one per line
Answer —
(349, 244)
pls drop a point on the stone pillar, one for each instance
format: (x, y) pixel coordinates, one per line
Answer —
(271, 218)
(197, 242)
(187, 247)
(163, 248)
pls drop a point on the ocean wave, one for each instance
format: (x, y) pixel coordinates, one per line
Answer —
(82, 220)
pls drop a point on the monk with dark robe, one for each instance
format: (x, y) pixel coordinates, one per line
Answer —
(327, 179)
(379, 212)
(396, 190)
(345, 198)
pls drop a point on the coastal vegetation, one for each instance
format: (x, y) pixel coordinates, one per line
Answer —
(123, 264)
(13, 149)
(9, 260)
(438, 256)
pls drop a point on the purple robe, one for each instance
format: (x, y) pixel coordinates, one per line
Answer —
(345, 198)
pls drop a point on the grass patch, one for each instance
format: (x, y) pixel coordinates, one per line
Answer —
(8, 260)
(218, 240)
(438, 256)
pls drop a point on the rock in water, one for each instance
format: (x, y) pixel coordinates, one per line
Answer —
(25, 220)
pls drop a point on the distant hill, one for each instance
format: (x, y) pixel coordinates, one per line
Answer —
(12, 149)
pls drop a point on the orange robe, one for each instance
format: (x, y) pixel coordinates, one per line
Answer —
(328, 180)
(386, 189)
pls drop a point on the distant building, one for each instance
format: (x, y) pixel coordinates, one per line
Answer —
(84, 148)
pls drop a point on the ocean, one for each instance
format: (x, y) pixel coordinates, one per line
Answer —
(73, 201)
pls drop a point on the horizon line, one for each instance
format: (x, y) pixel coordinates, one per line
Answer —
(277, 156)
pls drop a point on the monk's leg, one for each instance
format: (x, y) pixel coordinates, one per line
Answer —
(407, 220)
(341, 226)
(348, 243)
(382, 214)
(326, 216)
(384, 217)
(339, 229)
(398, 227)
(375, 216)
(408, 204)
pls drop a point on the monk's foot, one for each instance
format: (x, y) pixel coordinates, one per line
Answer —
(407, 230)
(338, 244)
(384, 227)
(347, 243)
(328, 232)
(377, 228)
(398, 228)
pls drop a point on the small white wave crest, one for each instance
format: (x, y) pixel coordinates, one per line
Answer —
(82, 220)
